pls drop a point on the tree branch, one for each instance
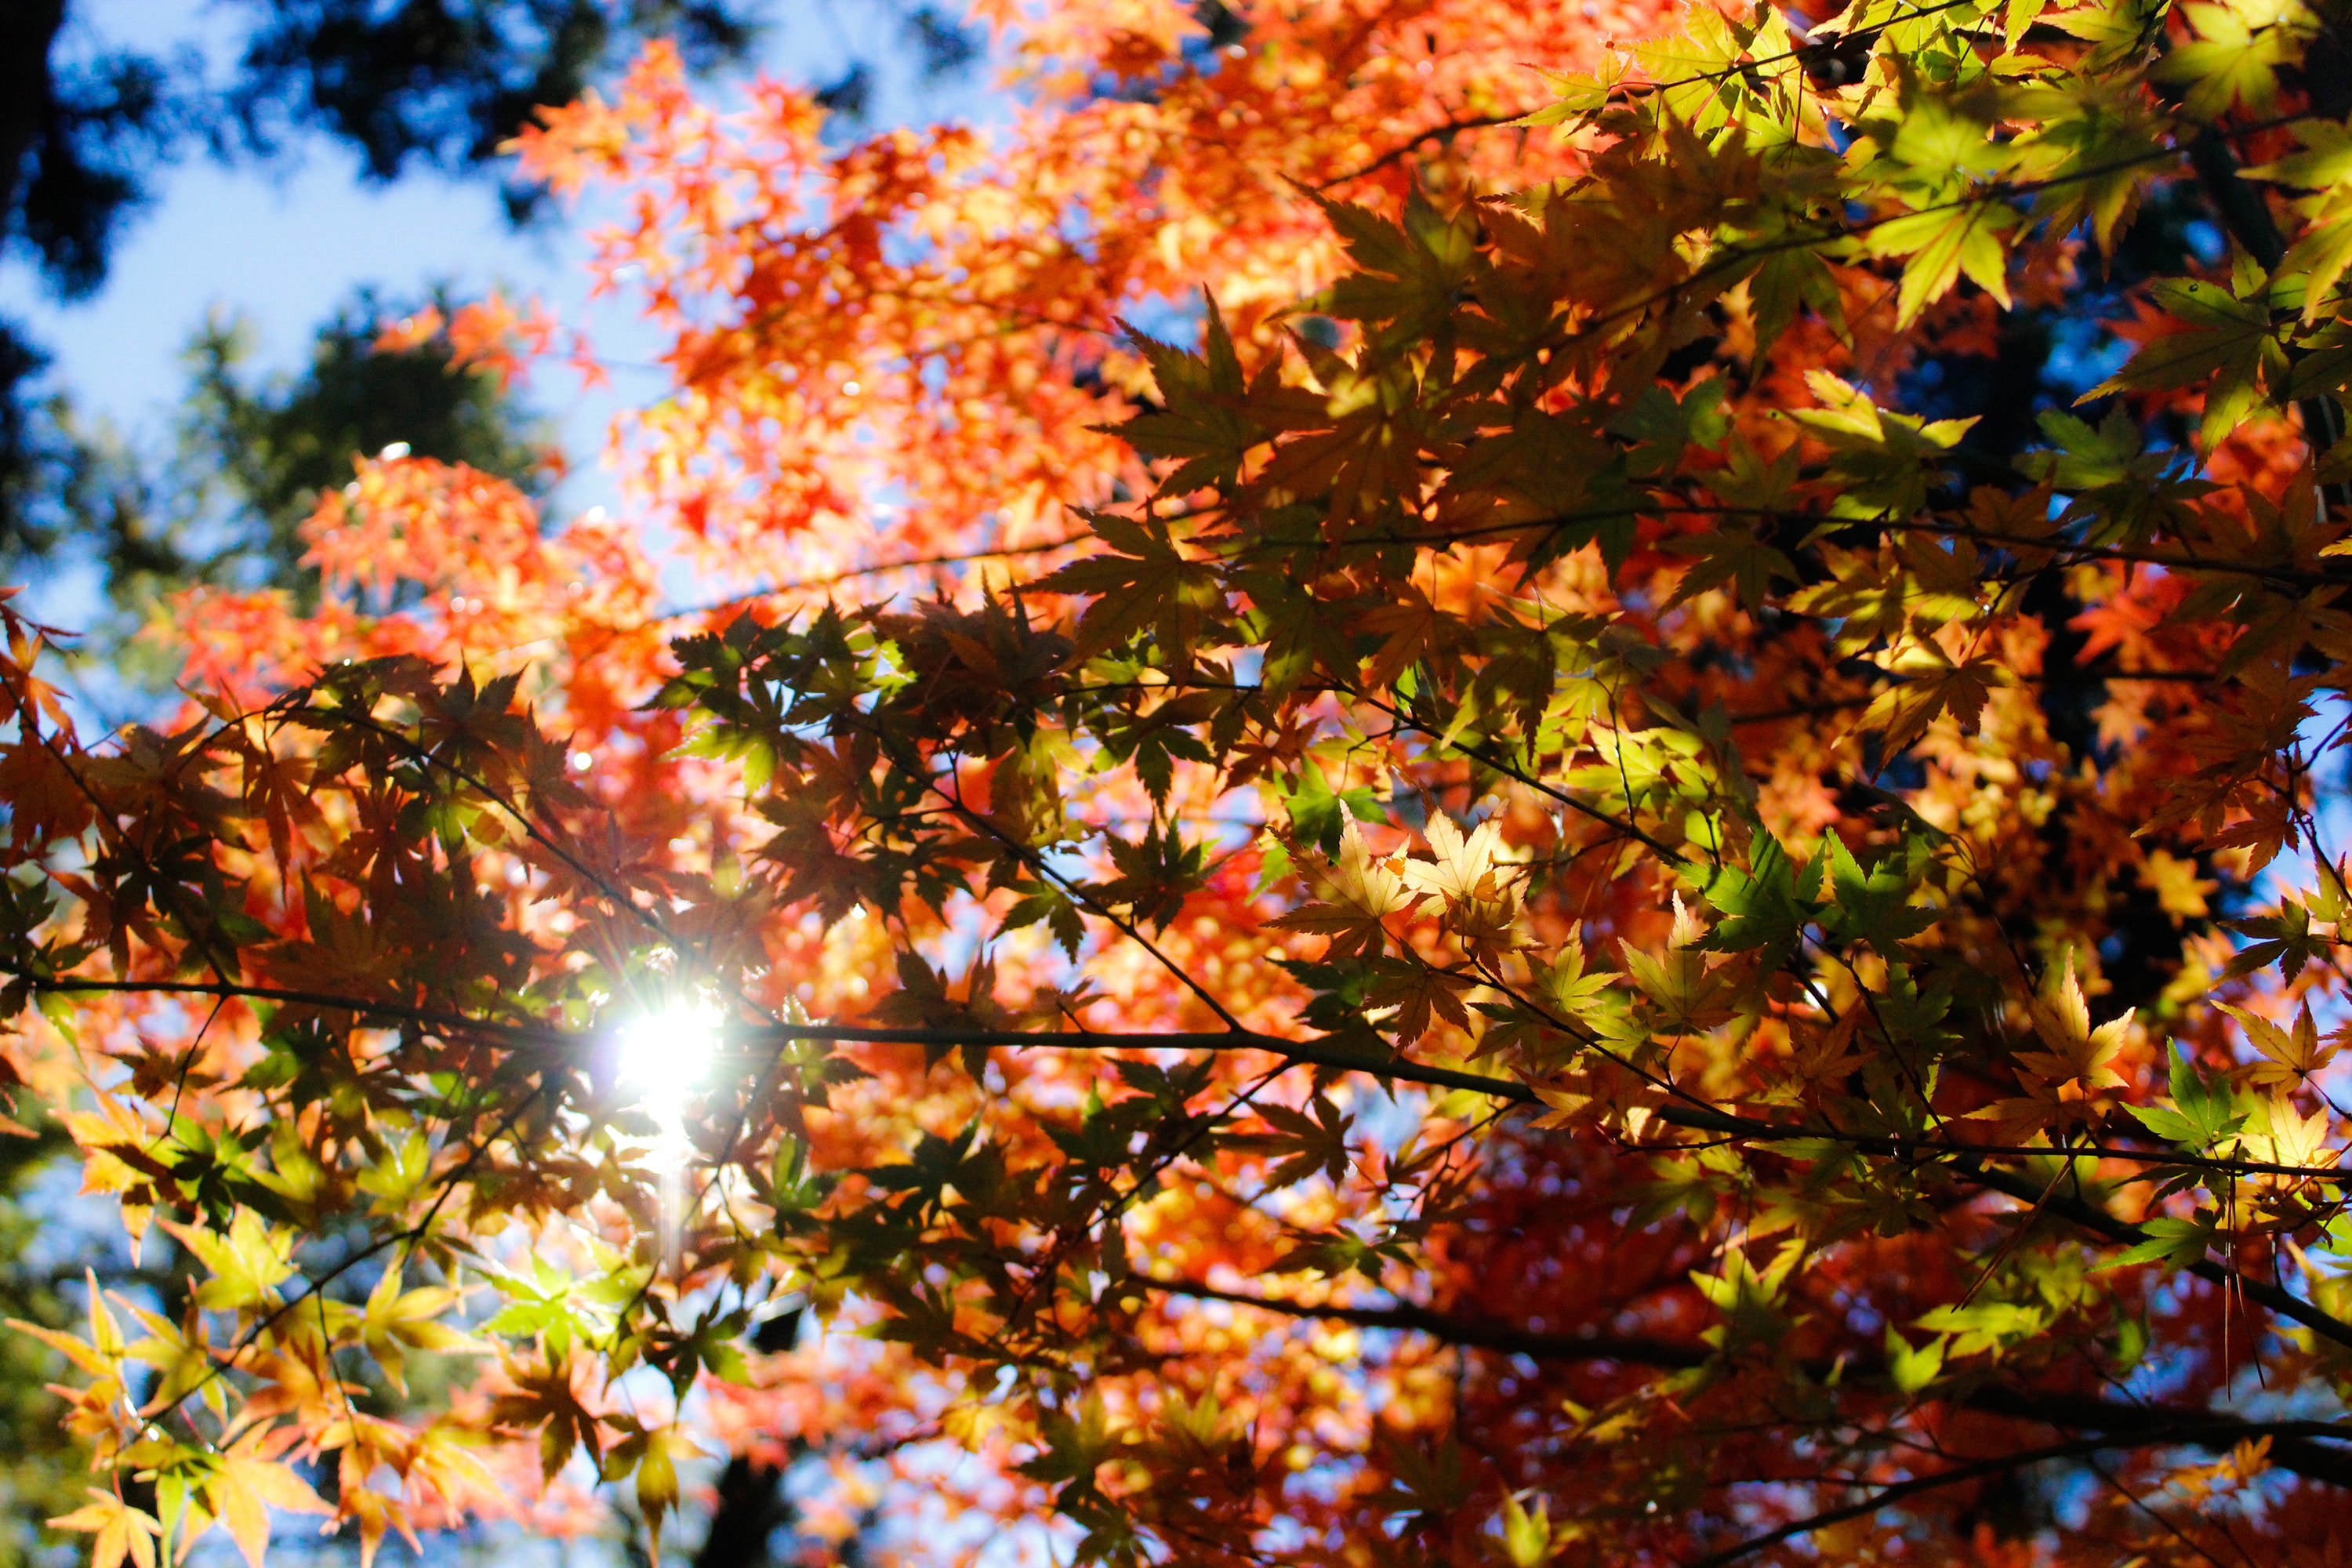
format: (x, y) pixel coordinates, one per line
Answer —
(1404, 148)
(2186, 1432)
(2216, 1430)
(1967, 1161)
(1316, 1052)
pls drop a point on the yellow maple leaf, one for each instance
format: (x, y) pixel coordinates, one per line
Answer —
(247, 1265)
(2180, 892)
(1358, 891)
(250, 1483)
(101, 1354)
(2061, 1083)
(375, 1513)
(397, 1319)
(1461, 866)
(1685, 986)
(442, 1468)
(2294, 1139)
(970, 1422)
(1465, 875)
(120, 1529)
(181, 1352)
(2078, 1054)
(2287, 1058)
(1933, 684)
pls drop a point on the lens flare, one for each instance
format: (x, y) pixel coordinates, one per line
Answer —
(665, 1057)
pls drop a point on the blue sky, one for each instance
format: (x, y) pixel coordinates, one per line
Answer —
(284, 244)
(284, 250)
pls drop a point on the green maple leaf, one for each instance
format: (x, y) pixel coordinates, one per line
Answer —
(1942, 245)
(2224, 337)
(2230, 63)
(1874, 905)
(1057, 909)
(2177, 1242)
(1886, 461)
(1203, 419)
(2201, 1113)
(1144, 582)
(1766, 905)
(1075, 1446)
(1735, 555)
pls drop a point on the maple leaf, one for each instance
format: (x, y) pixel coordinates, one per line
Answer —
(1360, 890)
(1405, 272)
(1460, 869)
(653, 1458)
(1942, 245)
(1310, 1142)
(2289, 1058)
(442, 1460)
(1749, 1299)
(1875, 905)
(121, 1530)
(181, 1354)
(279, 785)
(1934, 684)
(1477, 890)
(1410, 630)
(2200, 1114)
(1204, 421)
(395, 1322)
(1735, 555)
(46, 802)
(101, 1354)
(1568, 984)
(2234, 59)
(1416, 990)
(2077, 1052)
(1686, 987)
(1155, 875)
(248, 1482)
(2320, 256)
(2219, 337)
(1829, 1054)
(1766, 905)
(2170, 1240)
(376, 1514)
(247, 1265)
(1886, 459)
(2061, 1081)
(1147, 582)
(2180, 892)
(544, 1398)
(2291, 1138)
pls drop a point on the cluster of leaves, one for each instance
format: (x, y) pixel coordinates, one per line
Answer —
(1574, 929)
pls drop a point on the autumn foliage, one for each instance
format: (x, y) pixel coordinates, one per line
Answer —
(1400, 845)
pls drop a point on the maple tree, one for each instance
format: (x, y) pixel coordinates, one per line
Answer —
(1532, 908)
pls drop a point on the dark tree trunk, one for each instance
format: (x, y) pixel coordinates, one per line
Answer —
(752, 1507)
(28, 28)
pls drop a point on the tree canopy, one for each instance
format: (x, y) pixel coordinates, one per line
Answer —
(1444, 783)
